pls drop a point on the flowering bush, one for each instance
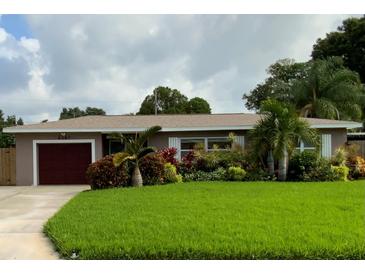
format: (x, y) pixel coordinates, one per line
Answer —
(103, 174)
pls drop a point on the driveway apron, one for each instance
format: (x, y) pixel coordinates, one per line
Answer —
(23, 212)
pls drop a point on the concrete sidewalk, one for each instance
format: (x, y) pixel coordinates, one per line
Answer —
(23, 211)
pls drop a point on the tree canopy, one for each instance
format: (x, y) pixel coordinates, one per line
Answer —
(68, 113)
(319, 88)
(282, 75)
(8, 140)
(347, 42)
(172, 101)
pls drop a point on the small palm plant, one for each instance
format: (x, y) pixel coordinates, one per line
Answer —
(134, 151)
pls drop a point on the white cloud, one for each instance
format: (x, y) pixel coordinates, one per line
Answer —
(2, 35)
(32, 45)
(113, 62)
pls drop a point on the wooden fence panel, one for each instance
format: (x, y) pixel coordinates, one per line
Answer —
(7, 166)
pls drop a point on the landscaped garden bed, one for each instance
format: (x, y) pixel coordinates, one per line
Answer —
(214, 220)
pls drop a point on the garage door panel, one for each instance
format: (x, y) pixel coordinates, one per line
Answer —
(63, 163)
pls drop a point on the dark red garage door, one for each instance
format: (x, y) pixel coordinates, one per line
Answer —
(63, 164)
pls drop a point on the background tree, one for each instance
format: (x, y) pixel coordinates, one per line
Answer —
(283, 129)
(6, 139)
(329, 90)
(198, 105)
(348, 42)
(282, 75)
(68, 113)
(319, 88)
(172, 101)
(134, 151)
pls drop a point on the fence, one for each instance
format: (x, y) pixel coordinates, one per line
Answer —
(361, 145)
(7, 166)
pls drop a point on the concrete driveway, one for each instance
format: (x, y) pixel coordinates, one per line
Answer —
(23, 211)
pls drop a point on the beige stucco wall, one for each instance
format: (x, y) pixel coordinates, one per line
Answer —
(339, 137)
(24, 152)
(24, 145)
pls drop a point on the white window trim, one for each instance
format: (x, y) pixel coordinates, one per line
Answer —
(205, 143)
(71, 141)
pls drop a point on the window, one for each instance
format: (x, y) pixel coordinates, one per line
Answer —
(115, 146)
(206, 143)
(302, 145)
(189, 144)
(218, 144)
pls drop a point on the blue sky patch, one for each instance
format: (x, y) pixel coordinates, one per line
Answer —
(16, 25)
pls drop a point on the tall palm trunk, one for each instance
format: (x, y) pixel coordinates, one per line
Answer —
(137, 180)
(270, 163)
(283, 167)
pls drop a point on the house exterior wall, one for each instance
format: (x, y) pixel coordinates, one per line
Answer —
(339, 137)
(24, 149)
(24, 145)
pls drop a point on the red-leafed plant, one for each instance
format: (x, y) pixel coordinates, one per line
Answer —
(168, 154)
(103, 174)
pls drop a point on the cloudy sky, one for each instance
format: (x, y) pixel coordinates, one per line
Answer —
(113, 62)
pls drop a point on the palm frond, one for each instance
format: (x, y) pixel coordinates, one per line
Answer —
(324, 108)
(120, 157)
(143, 137)
(145, 151)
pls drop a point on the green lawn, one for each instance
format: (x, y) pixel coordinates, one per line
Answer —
(220, 220)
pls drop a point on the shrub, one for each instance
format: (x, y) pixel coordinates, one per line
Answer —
(236, 173)
(258, 174)
(320, 171)
(340, 157)
(186, 164)
(103, 174)
(206, 161)
(216, 175)
(171, 175)
(302, 163)
(152, 169)
(231, 158)
(340, 172)
(169, 154)
(356, 167)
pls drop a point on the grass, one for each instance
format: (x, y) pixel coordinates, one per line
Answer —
(215, 220)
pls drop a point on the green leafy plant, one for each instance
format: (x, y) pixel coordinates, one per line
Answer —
(340, 157)
(171, 175)
(301, 163)
(217, 175)
(135, 151)
(341, 172)
(235, 173)
(321, 171)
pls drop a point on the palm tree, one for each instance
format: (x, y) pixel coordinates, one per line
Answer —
(134, 151)
(278, 132)
(329, 91)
